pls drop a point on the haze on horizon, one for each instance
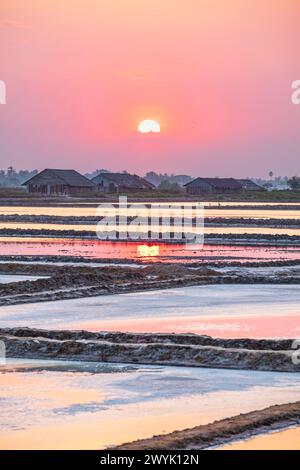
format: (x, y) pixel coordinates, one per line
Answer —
(215, 74)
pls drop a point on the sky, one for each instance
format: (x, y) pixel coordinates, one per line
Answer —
(216, 74)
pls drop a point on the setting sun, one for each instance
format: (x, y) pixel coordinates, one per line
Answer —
(149, 125)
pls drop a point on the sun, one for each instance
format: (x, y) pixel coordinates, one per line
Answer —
(148, 125)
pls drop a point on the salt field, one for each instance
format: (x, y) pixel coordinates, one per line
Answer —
(272, 311)
(65, 405)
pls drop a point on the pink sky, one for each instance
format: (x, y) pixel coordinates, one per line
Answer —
(216, 74)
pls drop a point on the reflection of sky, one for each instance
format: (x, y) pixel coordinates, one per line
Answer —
(263, 311)
(27, 397)
(85, 211)
(6, 278)
(96, 249)
(136, 231)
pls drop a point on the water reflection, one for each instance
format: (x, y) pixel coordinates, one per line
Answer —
(69, 410)
(96, 249)
(147, 251)
(84, 211)
(288, 439)
(156, 229)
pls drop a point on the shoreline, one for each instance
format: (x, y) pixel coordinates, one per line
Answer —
(252, 434)
(267, 198)
(192, 262)
(218, 433)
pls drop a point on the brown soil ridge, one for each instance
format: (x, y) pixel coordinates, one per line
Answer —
(86, 281)
(147, 349)
(218, 432)
(186, 261)
(294, 240)
(145, 338)
(88, 220)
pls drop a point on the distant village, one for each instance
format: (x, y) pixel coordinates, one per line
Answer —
(58, 182)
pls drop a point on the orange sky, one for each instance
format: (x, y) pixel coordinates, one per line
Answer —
(217, 75)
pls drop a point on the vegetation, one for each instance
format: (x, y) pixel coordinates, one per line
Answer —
(242, 196)
(167, 186)
(294, 183)
(12, 178)
(159, 178)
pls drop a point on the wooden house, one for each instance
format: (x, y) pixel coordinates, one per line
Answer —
(53, 182)
(212, 185)
(121, 183)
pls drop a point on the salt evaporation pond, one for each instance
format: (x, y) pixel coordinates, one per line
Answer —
(161, 252)
(7, 278)
(65, 405)
(227, 311)
(287, 439)
(245, 210)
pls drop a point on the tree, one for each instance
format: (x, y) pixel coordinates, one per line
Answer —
(294, 183)
(11, 171)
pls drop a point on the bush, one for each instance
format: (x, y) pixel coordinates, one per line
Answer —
(168, 187)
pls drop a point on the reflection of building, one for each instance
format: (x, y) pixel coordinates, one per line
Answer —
(249, 185)
(121, 182)
(213, 185)
(51, 182)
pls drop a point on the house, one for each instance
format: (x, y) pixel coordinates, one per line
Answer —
(249, 185)
(121, 182)
(212, 185)
(53, 182)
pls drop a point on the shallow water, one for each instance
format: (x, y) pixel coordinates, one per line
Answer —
(74, 408)
(227, 311)
(7, 278)
(207, 229)
(141, 251)
(288, 439)
(85, 211)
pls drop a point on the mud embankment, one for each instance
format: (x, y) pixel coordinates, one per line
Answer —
(223, 431)
(72, 259)
(86, 281)
(186, 261)
(134, 338)
(248, 239)
(172, 350)
(209, 221)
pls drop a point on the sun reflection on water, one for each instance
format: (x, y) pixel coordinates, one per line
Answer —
(147, 251)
